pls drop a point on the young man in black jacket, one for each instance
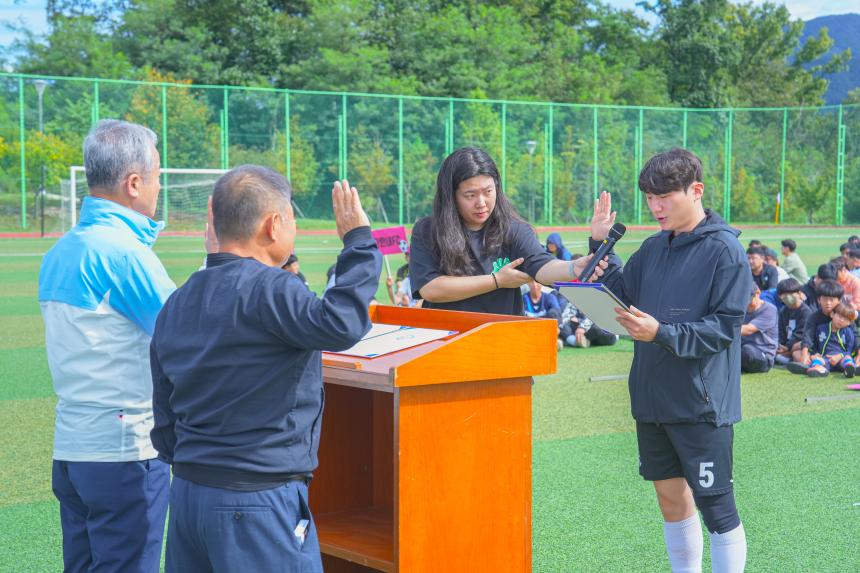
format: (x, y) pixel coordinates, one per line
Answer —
(690, 285)
(237, 376)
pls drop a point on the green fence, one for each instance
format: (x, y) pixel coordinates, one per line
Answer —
(766, 165)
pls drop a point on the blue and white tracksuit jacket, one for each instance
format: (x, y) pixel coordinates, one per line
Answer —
(101, 288)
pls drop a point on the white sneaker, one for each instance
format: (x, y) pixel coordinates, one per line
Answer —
(558, 344)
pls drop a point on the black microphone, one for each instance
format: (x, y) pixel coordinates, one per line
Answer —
(616, 232)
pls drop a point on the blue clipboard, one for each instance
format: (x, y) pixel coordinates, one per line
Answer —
(597, 302)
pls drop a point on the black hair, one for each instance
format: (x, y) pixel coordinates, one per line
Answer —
(756, 251)
(829, 288)
(754, 243)
(673, 170)
(768, 252)
(243, 195)
(839, 263)
(787, 286)
(789, 244)
(826, 272)
(854, 252)
(450, 235)
(292, 259)
(845, 246)
(854, 239)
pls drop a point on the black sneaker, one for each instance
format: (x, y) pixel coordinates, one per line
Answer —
(815, 373)
(797, 367)
(848, 370)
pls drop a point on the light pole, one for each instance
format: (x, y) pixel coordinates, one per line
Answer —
(531, 145)
(40, 90)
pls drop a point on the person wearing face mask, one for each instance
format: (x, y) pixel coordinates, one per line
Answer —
(475, 252)
(792, 321)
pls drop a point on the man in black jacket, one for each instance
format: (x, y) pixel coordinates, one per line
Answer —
(237, 377)
(690, 285)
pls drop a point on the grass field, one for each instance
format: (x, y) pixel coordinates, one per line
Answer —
(796, 463)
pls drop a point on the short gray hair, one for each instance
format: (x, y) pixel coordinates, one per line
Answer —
(243, 195)
(113, 149)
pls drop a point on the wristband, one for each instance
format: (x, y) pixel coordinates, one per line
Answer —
(495, 280)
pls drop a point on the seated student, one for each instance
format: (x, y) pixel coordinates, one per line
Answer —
(555, 246)
(758, 334)
(829, 295)
(754, 243)
(825, 272)
(850, 284)
(792, 263)
(792, 319)
(292, 265)
(854, 239)
(771, 259)
(540, 302)
(764, 275)
(578, 330)
(835, 342)
(853, 260)
(843, 248)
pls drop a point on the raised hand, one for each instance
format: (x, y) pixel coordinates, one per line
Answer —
(604, 217)
(509, 277)
(348, 213)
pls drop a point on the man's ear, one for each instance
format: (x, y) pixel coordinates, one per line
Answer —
(698, 190)
(271, 225)
(132, 184)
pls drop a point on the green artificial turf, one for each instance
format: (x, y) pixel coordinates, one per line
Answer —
(795, 462)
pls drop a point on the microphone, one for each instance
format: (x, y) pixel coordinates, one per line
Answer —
(616, 232)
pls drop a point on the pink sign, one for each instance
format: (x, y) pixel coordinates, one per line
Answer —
(392, 240)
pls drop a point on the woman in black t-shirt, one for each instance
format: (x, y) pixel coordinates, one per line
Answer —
(475, 252)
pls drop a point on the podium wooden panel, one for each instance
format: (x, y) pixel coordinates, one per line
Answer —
(425, 455)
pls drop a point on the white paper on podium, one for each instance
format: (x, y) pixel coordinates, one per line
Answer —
(596, 302)
(387, 338)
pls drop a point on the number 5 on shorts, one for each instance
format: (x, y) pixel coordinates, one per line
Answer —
(706, 475)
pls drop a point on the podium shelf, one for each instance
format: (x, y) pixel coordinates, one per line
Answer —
(364, 536)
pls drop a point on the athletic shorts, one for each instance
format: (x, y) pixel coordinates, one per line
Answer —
(700, 453)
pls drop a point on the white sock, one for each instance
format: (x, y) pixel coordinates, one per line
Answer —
(729, 551)
(684, 544)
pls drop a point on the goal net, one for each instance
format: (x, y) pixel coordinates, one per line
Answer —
(182, 204)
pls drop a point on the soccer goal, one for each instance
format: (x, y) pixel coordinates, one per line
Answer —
(181, 205)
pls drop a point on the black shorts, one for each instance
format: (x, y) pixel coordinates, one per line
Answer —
(701, 453)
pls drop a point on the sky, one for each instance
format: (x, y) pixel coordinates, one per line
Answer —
(31, 13)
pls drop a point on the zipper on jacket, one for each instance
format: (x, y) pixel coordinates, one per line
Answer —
(704, 386)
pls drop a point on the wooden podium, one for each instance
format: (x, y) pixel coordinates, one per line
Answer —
(425, 455)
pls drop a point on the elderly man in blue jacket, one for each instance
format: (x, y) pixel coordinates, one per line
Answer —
(688, 288)
(237, 375)
(100, 289)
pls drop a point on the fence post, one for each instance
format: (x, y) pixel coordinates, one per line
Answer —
(727, 171)
(165, 162)
(96, 103)
(345, 142)
(505, 146)
(226, 128)
(288, 135)
(640, 144)
(22, 144)
(550, 178)
(684, 137)
(450, 143)
(840, 170)
(594, 145)
(781, 198)
(400, 160)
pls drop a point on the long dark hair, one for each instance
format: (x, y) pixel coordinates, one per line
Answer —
(450, 235)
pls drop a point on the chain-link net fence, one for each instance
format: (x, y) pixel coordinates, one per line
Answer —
(781, 165)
